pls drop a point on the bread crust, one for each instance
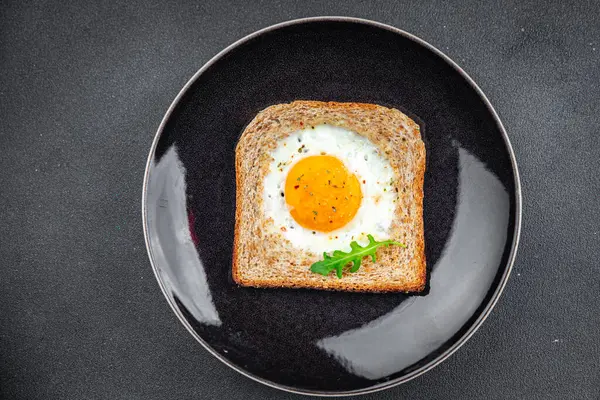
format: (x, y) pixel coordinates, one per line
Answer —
(258, 261)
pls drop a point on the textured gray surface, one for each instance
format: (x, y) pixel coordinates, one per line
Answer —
(82, 90)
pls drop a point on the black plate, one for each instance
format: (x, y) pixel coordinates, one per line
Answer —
(318, 342)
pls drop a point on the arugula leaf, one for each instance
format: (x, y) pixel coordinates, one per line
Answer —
(339, 259)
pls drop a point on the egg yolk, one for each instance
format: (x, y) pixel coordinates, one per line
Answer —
(321, 193)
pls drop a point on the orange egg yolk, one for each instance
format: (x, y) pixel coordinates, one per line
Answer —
(321, 193)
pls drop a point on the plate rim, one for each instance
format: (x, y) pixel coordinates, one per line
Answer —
(517, 219)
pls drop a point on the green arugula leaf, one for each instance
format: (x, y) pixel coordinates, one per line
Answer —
(339, 259)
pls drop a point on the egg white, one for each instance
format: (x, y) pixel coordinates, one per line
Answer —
(362, 158)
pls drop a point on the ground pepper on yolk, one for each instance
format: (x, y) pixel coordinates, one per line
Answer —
(322, 194)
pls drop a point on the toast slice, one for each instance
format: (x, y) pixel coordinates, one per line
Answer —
(263, 259)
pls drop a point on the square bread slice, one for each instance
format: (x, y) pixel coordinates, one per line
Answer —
(262, 259)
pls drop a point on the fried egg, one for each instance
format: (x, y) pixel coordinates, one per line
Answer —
(326, 187)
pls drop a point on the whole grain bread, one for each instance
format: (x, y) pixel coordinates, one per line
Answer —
(262, 259)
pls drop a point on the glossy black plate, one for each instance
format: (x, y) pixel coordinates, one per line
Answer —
(319, 342)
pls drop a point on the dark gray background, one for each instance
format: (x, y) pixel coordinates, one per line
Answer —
(83, 88)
